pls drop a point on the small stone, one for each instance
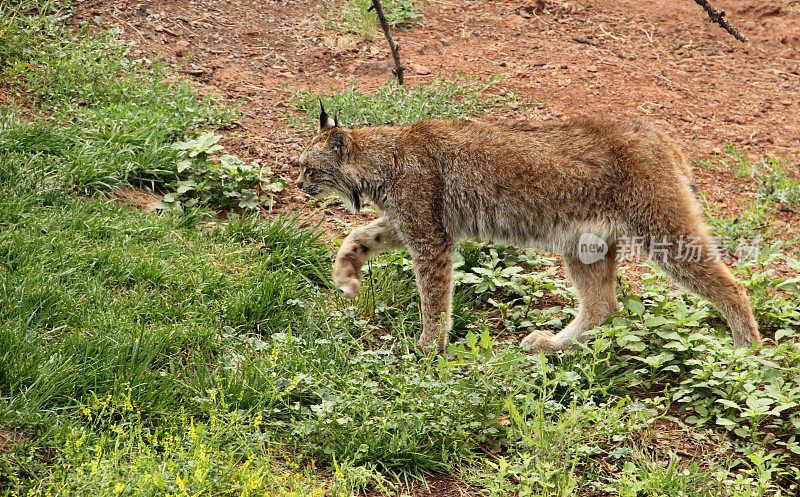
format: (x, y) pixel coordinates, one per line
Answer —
(182, 48)
(445, 42)
(419, 69)
(592, 68)
(535, 6)
(767, 11)
(429, 49)
(790, 39)
(374, 69)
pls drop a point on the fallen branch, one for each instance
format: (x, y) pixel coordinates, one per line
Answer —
(395, 48)
(718, 16)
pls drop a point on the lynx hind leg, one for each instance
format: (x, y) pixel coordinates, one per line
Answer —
(702, 271)
(596, 287)
(678, 241)
(359, 245)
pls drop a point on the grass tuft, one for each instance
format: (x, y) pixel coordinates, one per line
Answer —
(457, 97)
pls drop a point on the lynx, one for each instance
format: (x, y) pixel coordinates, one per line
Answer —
(548, 185)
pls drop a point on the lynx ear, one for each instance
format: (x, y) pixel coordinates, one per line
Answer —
(339, 142)
(325, 121)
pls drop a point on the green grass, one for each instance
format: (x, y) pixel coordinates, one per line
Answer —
(446, 98)
(186, 354)
(775, 182)
(750, 228)
(355, 16)
(104, 130)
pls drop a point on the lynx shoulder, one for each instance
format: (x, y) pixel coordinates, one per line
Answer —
(576, 188)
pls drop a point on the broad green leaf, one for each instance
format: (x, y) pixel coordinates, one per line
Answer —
(726, 422)
(635, 306)
(655, 322)
(759, 404)
(729, 403)
(471, 340)
(486, 340)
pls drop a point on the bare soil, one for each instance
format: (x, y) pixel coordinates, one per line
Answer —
(660, 61)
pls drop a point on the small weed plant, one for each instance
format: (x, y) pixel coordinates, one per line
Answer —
(775, 182)
(456, 97)
(223, 180)
(357, 17)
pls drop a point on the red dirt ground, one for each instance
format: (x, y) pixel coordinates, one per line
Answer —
(659, 61)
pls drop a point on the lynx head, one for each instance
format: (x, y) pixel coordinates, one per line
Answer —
(324, 165)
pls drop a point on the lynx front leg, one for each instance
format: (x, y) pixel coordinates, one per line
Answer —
(433, 268)
(359, 245)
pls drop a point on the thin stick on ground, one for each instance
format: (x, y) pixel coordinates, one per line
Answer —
(395, 48)
(718, 16)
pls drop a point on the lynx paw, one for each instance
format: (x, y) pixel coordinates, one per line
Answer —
(348, 286)
(539, 341)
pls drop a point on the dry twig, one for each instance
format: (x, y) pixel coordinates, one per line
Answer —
(718, 16)
(398, 66)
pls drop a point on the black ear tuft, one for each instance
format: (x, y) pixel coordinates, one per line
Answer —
(325, 121)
